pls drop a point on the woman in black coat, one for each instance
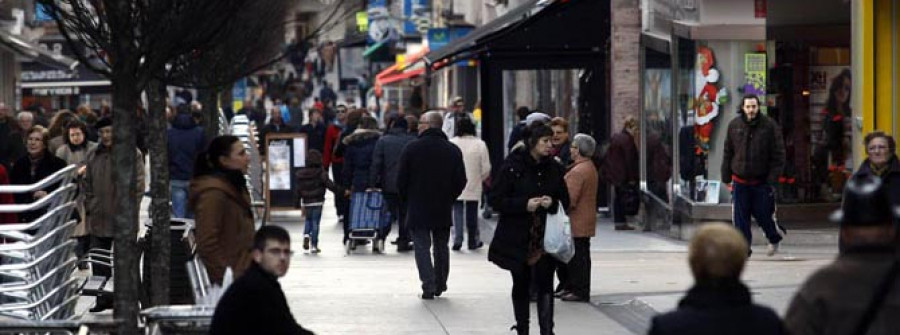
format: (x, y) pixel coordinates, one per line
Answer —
(882, 162)
(358, 149)
(38, 164)
(529, 185)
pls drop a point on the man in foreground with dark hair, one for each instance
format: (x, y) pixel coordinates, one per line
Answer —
(255, 303)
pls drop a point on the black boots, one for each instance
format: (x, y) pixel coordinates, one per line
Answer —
(545, 313)
(522, 310)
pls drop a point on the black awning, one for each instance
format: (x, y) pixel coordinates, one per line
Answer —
(469, 41)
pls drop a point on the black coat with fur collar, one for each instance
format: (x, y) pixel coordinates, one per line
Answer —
(358, 158)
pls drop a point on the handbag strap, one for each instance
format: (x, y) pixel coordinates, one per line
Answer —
(881, 294)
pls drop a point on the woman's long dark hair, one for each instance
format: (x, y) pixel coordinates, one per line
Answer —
(207, 163)
(838, 83)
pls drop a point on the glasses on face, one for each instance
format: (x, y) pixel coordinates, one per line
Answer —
(877, 148)
(278, 252)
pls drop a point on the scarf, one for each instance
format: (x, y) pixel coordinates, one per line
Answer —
(878, 171)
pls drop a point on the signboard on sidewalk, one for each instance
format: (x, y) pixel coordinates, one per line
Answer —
(284, 154)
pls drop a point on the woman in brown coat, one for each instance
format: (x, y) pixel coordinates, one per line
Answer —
(221, 203)
(581, 181)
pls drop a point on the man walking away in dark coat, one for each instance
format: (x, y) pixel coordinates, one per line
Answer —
(255, 303)
(385, 165)
(621, 168)
(753, 159)
(860, 292)
(719, 303)
(430, 178)
(185, 142)
(315, 130)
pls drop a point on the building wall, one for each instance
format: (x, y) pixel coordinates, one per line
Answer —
(625, 61)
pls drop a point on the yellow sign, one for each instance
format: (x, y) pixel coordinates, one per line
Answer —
(401, 62)
(362, 21)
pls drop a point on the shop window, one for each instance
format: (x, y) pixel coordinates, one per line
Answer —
(657, 124)
(553, 92)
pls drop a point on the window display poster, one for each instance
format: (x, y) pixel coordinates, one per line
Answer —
(299, 152)
(279, 165)
(755, 77)
(820, 80)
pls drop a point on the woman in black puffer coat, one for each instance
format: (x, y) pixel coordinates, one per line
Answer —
(359, 147)
(529, 185)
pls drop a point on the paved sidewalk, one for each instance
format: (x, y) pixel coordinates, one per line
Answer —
(634, 275)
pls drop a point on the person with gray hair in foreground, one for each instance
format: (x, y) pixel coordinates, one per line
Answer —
(430, 178)
(719, 303)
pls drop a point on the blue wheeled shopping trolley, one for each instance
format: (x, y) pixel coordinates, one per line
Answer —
(368, 217)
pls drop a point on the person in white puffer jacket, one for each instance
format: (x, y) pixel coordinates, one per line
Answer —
(478, 169)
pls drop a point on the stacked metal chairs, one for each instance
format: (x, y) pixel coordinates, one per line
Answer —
(246, 131)
(37, 260)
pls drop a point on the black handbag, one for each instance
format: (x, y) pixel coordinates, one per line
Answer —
(631, 199)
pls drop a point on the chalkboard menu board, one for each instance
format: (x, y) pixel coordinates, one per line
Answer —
(285, 153)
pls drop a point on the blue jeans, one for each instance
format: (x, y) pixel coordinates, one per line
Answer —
(313, 217)
(757, 201)
(179, 192)
(465, 213)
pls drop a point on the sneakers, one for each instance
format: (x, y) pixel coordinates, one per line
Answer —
(305, 242)
(476, 246)
(772, 249)
(624, 227)
(315, 250)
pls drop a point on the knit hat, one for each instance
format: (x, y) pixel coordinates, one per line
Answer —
(536, 116)
(103, 122)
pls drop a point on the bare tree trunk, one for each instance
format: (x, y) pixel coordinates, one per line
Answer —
(209, 98)
(127, 281)
(160, 248)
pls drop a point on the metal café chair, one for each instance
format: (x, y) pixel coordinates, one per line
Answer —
(49, 220)
(42, 296)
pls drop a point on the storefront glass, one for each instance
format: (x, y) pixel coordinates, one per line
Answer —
(713, 76)
(657, 124)
(553, 92)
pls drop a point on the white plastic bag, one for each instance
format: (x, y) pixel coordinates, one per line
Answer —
(558, 236)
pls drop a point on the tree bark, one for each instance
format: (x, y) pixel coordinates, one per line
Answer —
(127, 281)
(209, 98)
(160, 248)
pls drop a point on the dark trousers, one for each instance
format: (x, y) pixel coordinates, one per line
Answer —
(619, 206)
(541, 276)
(433, 275)
(104, 243)
(465, 215)
(757, 201)
(341, 203)
(542, 273)
(398, 213)
(578, 270)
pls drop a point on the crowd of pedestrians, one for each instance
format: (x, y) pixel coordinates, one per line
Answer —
(433, 170)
